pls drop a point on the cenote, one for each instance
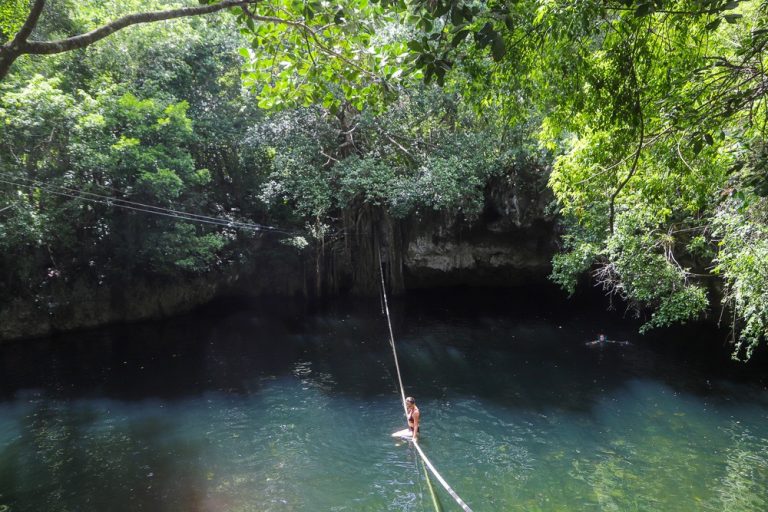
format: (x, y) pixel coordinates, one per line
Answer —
(264, 406)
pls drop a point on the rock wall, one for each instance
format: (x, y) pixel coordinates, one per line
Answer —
(81, 304)
(509, 244)
(477, 257)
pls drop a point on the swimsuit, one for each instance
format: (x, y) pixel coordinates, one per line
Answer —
(410, 422)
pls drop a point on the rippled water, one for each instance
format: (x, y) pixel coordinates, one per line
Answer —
(263, 409)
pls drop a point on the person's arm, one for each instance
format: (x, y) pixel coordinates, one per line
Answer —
(416, 417)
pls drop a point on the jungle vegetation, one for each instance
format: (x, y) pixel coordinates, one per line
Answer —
(649, 118)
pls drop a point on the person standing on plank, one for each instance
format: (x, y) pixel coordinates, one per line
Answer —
(413, 416)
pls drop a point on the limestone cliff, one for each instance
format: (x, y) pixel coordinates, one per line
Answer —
(510, 243)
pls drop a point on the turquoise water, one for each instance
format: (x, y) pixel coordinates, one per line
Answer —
(265, 410)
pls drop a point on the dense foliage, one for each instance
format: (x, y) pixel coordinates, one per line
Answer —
(653, 112)
(420, 153)
(156, 118)
(88, 140)
(656, 115)
(656, 112)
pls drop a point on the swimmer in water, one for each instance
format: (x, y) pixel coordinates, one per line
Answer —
(602, 341)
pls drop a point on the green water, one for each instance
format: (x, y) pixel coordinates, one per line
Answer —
(263, 410)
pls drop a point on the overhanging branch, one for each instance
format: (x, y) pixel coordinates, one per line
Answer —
(308, 31)
(612, 200)
(20, 46)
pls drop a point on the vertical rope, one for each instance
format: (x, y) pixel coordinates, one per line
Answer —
(392, 336)
(423, 456)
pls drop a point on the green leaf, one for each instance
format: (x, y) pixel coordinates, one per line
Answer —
(459, 37)
(484, 36)
(429, 72)
(645, 9)
(416, 46)
(457, 16)
(498, 49)
(441, 9)
(440, 72)
(697, 145)
(712, 25)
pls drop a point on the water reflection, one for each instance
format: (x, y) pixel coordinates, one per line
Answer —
(64, 456)
(743, 485)
(250, 412)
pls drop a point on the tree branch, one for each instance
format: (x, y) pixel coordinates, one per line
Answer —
(308, 30)
(83, 40)
(612, 200)
(10, 51)
(29, 24)
(20, 46)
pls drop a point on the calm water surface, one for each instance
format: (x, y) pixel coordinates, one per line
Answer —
(262, 408)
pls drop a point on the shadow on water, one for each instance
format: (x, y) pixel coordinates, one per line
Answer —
(528, 351)
(522, 348)
(263, 405)
(214, 349)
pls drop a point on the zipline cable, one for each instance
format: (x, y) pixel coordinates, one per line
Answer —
(49, 187)
(141, 207)
(423, 456)
(218, 222)
(440, 479)
(133, 205)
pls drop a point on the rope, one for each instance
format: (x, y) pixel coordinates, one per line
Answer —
(423, 456)
(440, 479)
(392, 336)
(110, 201)
(435, 501)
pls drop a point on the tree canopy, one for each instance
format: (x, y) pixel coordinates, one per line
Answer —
(651, 116)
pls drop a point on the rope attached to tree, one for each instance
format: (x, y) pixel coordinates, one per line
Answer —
(421, 453)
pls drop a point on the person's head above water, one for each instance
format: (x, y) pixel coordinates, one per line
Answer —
(601, 337)
(410, 401)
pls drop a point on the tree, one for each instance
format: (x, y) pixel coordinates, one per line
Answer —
(21, 45)
(656, 112)
(129, 120)
(653, 113)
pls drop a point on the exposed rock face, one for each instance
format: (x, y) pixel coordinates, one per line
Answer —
(510, 243)
(489, 260)
(80, 304)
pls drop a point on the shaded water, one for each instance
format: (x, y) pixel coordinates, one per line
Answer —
(263, 409)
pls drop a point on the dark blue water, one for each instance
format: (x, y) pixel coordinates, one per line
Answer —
(271, 407)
